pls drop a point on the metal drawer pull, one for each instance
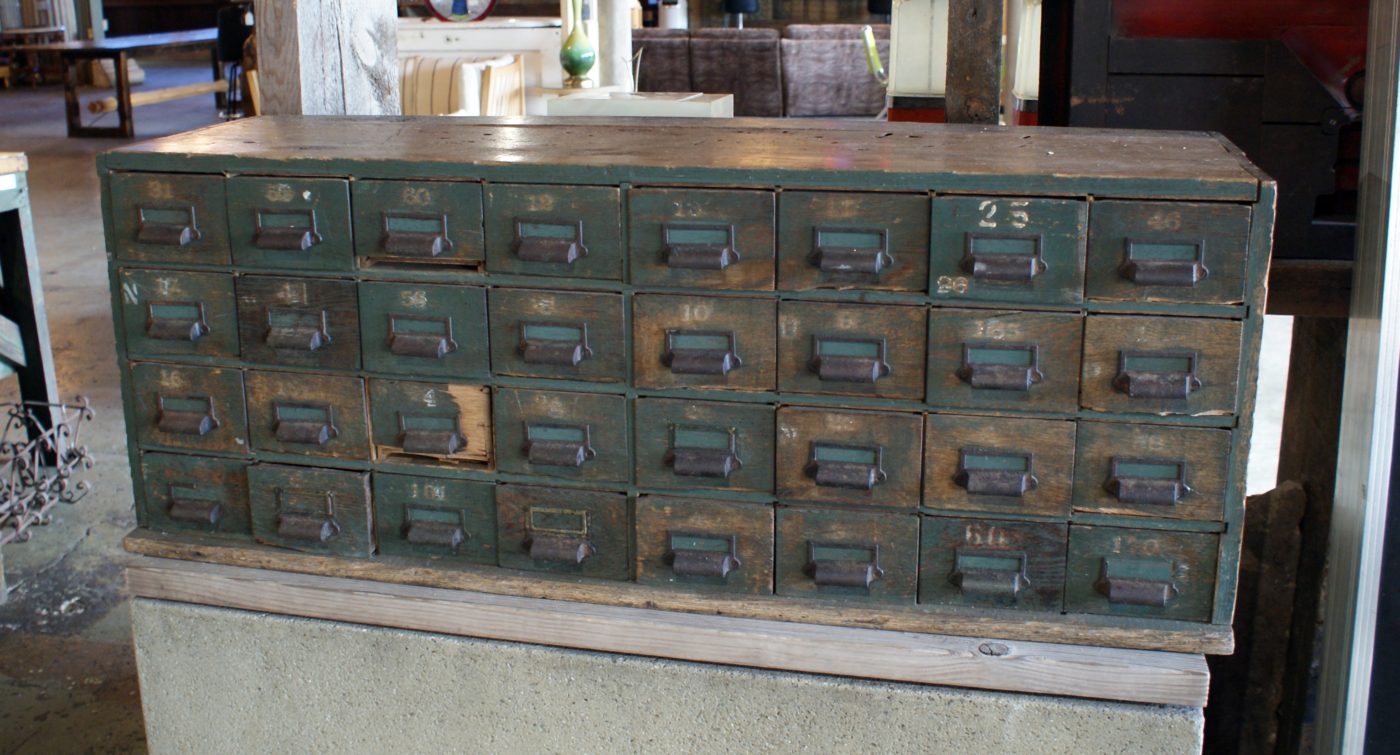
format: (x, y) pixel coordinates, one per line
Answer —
(424, 336)
(704, 556)
(841, 465)
(194, 506)
(703, 452)
(839, 565)
(1137, 581)
(1000, 366)
(166, 226)
(558, 535)
(1164, 263)
(1158, 482)
(1006, 258)
(1157, 374)
(434, 526)
(561, 344)
(286, 230)
(430, 434)
(992, 472)
(414, 234)
(296, 329)
(311, 424)
(701, 352)
(848, 360)
(176, 321)
(186, 415)
(306, 515)
(851, 250)
(558, 242)
(995, 574)
(558, 445)
(698, 246)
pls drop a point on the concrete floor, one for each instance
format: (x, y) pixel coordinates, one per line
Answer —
(67, 674)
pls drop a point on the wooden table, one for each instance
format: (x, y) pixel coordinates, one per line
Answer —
(12, 39)
(117, 49)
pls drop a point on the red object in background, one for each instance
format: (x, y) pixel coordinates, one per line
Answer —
(917, 115)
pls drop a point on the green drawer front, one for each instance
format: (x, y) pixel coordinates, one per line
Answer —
(1147, 573)
(1001, 465)
(692, 543)
(310, 415)
(1151, 470)
(580, 436)
(428, 517)
(410, 329)
(1022, 361)
(168, 217)
(312, 510)
(847, 555)
(563, 530)
(992, 563)
(866, 240)
(701, 238)
(704, 342)
(871, 458)
(191, 408)
(431, 423)
(1160, 365)
(555, 334)
(564, 231)
(1168, 251)
(1023, 251)
(175, 314)
(852, 349)
(299, 322)
(429, 222)
(704, 444)
(196, 493)
(290, 223)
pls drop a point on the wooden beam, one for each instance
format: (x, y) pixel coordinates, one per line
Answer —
(1129, 675)
(13, 162)
(328, 57)
(153, 96)
(973, 92)
(1309, 288)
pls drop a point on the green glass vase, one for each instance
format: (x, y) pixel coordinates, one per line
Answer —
(577, 55)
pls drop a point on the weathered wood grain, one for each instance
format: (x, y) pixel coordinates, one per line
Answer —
(319, 58)
(752, 323)
(750, 525)
(13, 162)
(746, 215)
(1043, 448)
(1216, 344)
(310, 401)
(299, 322)
(1188, 560)
(888, 542)
(1205, 453)
(598, 317)
(903, 220)
(311, 509)
(900, 332)
(399, 408)
(1050, 343)
(892, 442)
(595, 421)
(949, 550)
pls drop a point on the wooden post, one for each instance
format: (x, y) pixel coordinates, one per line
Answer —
(327, 57)
(615, 44)
(974, 61)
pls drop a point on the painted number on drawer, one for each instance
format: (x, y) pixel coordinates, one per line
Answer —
(429, 491)
(977, 534)
(414, 299)
(952, 284)
(416, 196)
(996, 214)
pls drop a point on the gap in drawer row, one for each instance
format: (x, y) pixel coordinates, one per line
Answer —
(997, 249)
(693, 543)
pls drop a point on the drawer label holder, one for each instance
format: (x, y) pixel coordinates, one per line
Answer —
(845, 465)
(1158, 482)
(306, 515)
(557, 242)
(848, 360)
(698, 246)
(297, 329)
(562, 344)
(414, 234)
(1000, 366)
(993, 574)
(558, 535)
(701, 352)
(167, 226)
(1157, 374)
(423, 336)
(555, 445)
(1164, 263)
(703, 451)
(176, 321)
(994, 472)
(864, 251)
(431, 434)
(1137, 581)
(285, 230)
(307, 424)
(186, 415)
(194, 505)
(1003, 257)
(844, 565)
(436, 526)
(701, 556)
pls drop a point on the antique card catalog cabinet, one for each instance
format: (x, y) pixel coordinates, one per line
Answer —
(935, 379)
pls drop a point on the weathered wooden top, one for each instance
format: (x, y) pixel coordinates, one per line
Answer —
(134, 42)
(871, 154)
(13, 162)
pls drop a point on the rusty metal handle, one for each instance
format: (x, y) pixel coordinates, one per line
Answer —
(308, 424)
(560, 549)
(414, 234)
(1164, 263)
(186, 415)
(561, 344)
(1149, 582)
(848, 360)
(995, 472)
(298, 235)
(707, 352)
(864, 251)
(187, 507)
(703, 556)
(1003, 258)
(1157, 374)
(1155, 482)
(439, 534)
(422, 336)
(167, 226)
(989, 574)
(1000, 366)
(558, 242)
(311, 527)
(176, 321)
(698, 246)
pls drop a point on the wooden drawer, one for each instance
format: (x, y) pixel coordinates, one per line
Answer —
(1027, 251)
(704, 342)
(428, 517)
(701, 238)
(411, 329)
(1160, 365)
(312, 415)
(193, 408)
(565, 231)
(581, 436)
(432, 423)
(292, 223)
(174, 314)
(169, 217)
(299, 322)
(993, 562)
(829, 239)
(847, 555)
(1148, 573)
(310, 509)
(563, 530)
(849, 457)
(979, 359)
(196, 493)
(1168, 251)
(999, 464)
(705, 545)
(704, 444)
(554, 334)
(851, 349)
(1150, 470)
(433, 222)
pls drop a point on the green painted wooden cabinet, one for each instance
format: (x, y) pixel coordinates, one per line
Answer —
(866, 374)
